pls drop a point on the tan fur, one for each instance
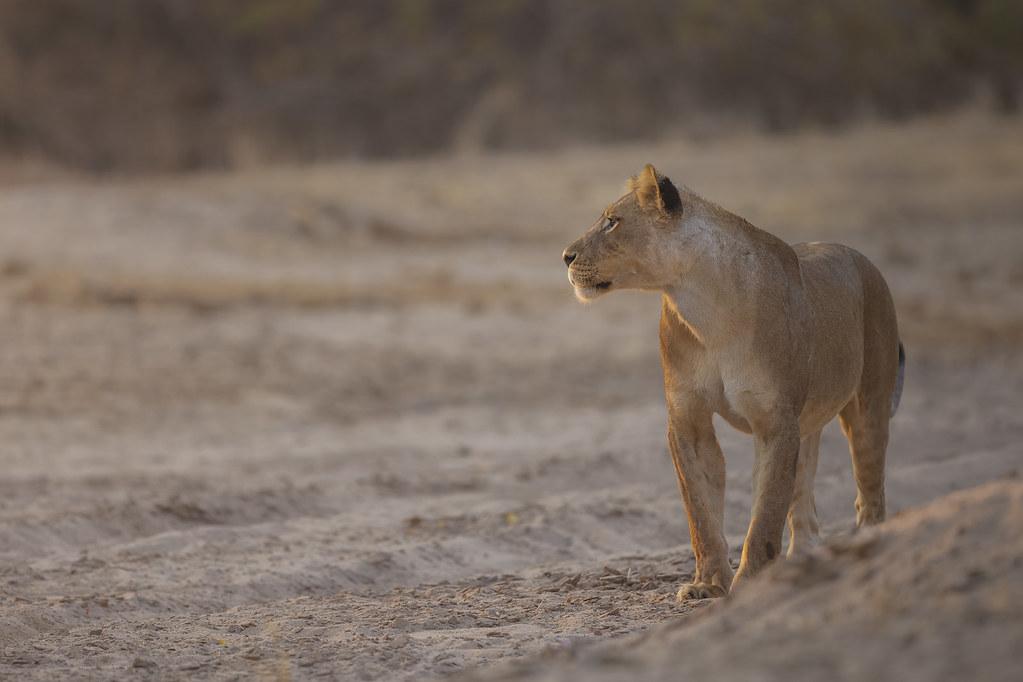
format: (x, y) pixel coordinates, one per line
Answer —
(644, 187)
(776, 339)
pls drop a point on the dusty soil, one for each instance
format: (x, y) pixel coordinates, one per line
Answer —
(932, 595)
(348, 421)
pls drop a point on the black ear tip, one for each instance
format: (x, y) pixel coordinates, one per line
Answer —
(669, 195)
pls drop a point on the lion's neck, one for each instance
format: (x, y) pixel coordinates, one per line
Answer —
(734, 272)
(697, 307)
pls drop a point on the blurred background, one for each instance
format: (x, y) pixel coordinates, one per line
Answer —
(165, 85)
(292, 382)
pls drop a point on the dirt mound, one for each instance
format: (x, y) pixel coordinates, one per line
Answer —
(936, 593)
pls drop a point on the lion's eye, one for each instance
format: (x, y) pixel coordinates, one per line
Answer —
(611, 224)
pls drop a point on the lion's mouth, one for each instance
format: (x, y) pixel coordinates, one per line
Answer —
(588, 293)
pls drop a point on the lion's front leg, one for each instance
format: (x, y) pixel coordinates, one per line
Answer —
(701, 476)
(774, 477)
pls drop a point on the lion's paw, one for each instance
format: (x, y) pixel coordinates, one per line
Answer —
(690, 591)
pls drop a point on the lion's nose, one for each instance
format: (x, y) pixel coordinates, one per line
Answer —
(568, 256)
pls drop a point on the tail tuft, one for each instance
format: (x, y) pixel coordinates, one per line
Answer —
(897, 393)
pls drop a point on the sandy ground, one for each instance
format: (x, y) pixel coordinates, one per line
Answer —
(347, 421)
(932, 595)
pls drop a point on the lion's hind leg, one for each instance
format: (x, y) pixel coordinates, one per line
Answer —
(865, 424)
(864, 419)
(804, 532)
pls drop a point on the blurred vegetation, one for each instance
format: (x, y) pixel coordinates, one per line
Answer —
(130, 85)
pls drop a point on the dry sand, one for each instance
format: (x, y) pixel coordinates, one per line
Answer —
(347, 421)
(932, 595)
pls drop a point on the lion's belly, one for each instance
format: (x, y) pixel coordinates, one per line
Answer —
(734, 419)
(724, 379)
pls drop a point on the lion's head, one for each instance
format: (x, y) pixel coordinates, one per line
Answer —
(633, 245)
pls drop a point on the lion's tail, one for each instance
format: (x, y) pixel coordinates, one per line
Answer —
(897, 393)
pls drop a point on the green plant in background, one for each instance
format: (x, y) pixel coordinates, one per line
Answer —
(172, 84)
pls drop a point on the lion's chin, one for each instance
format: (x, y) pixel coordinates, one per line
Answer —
(587, 294)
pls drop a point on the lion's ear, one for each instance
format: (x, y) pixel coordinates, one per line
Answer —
(671, 202)
(654, 191)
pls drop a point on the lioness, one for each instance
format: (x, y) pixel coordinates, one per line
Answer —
(776, 339)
